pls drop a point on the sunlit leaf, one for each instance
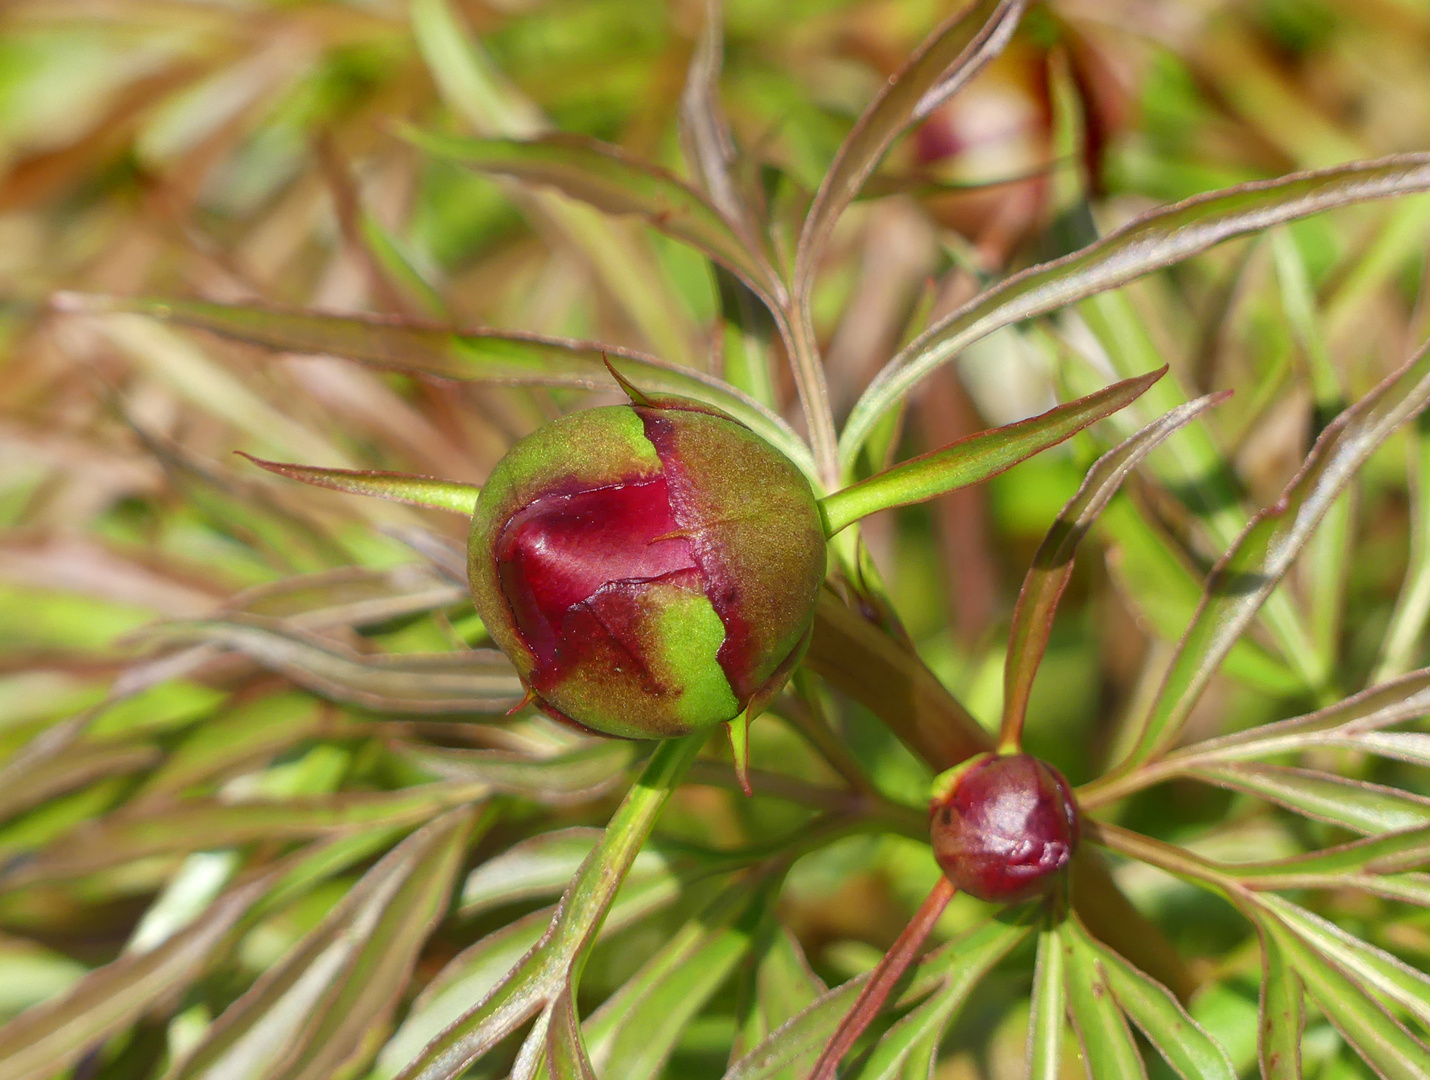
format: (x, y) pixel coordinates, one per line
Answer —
(510, 359)
(1157, 239)
(1249, 572)
(529, 987)
(565, 1048)
(1108, 1050)
(1366, 808)
(1282, 1014)
(425, 491)
(976, 458)
(1184, 1044)
(312, 1014)
(49, 1037)
(951, 972)
(1052, 565)
(469, 681)
(946, 60)
(577, 775)
(1048, 1011)
(606, 178)
(1372, 1032)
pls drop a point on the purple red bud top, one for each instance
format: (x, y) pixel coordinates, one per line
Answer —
(1003, 827)
(650, 569)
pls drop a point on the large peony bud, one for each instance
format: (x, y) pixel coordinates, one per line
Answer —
(649, 568)
(1004, 827)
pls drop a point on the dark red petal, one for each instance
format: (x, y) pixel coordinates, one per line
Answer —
(562, 549)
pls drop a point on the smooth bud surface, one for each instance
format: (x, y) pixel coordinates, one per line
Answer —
(1006, 827)
(648, 568)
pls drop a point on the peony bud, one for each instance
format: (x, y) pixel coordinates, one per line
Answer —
(1004, 827)
(650, 569)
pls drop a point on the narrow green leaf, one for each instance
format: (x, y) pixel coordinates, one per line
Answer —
(1155, 240)
(1048, 1011)
(1282, 1015)
(950, 972)
(777, 986)
(1370, 967)
(352, 596)
(1249, 572)
(1183, 1042)
(470, 681)
(46, 1039)
(77, 766)
(1406, 633)
(605, 177)
(633, 1033)
(1052, 565)
(1366, 808)
(170, 828)
(577, 775)
(944, 62)
(539, 977)
(1108, 1050)
(975, 458)
(1373, 1033)
(565, 1049)
(705, 137)
(510, 359)
(425, 491)
(313, 1014)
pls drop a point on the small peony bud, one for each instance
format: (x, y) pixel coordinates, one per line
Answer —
(649, 569)
(1004, 828)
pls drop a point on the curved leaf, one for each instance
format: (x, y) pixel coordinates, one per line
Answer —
(1183, 1042)
(428, 491)
(946, 60)
(471, 681)
(565, 1049)
(312, 1014)
(1250, 571)
(1366, 808)
(577, 775)
(976, 458)
(1155, 240)
(1108, 1050)
(605, 177)
(1380, 1039)
(1052, 565)
(509, 359)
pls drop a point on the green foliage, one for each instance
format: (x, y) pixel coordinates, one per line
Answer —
(271, 804)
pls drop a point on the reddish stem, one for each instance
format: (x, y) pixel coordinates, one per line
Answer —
(876, 991)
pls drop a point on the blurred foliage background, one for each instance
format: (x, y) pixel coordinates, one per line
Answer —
(240, 150)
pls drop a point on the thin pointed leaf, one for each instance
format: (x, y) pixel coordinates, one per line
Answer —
(77, 766)
(1282, 1013)
(603, 176)
(705, 137)
(510, 359)
(1183, 1042)
(1406, 633)
(312, 1014)
(470, 681)
(951, 971)
(539, 977)
(1366, 808)
(1249, 572)
(1048, 1012)
(1370, 967)
(166, 828)
(426, 491)
(946, 60)
(779, 985)
(1108, 1050)
(976, 458)
(565, 1049)
(1381, 1040)
(44, 1040)
(577, 775)
(1052, 565)
(1151, 242)
(633, 1033)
